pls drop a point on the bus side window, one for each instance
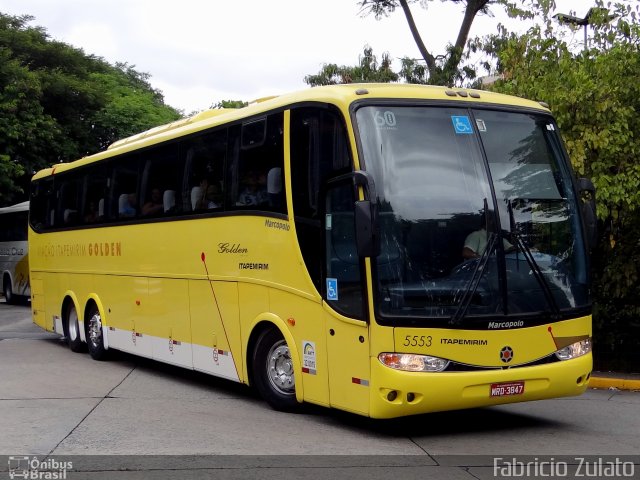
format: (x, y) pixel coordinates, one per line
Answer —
(127, 205)
(70, 198)
(161, 180)
(204, 171)
(124, 189)
(256, 170)
(41, 204)
(274, 188)
(96, 186)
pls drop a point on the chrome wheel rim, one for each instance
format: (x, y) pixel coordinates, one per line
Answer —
(280, 369)
(73, 324)
(95, 330)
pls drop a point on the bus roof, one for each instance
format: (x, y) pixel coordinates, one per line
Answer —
(341, 95)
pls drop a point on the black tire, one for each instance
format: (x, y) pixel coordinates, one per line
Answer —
(272, 370)
(72, 330)
(95, 338)
(7, 291)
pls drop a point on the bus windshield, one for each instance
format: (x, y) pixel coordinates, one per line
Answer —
(477, 216)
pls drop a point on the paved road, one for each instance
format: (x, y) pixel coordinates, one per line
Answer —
(64, 405)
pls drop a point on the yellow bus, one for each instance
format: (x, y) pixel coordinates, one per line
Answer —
(311, 245)
(14, 252)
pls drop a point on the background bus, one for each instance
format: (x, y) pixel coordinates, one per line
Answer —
(14, 255)
(310, 245)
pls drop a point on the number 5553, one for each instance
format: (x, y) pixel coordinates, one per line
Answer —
(417, 341)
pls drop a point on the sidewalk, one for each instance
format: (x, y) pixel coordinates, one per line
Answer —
(613, 380)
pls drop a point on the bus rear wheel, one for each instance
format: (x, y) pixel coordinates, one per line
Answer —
(7, 290)
(95, 339)
(273, 374)
(72, 330)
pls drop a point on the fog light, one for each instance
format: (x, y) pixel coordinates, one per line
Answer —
(392, 395)
(410, 362)
(574, 350)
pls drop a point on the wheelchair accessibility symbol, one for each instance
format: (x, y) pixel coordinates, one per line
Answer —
(462, 124)
(332, 289)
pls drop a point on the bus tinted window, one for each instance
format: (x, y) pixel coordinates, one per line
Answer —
(162, 181)
(319, 150)
(124, 189)
(96, 194)
(69, 195)
(13, 227)
(42, 204)
(204, 171)
(257, 175)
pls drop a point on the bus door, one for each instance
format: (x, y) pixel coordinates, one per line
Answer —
(344, 293)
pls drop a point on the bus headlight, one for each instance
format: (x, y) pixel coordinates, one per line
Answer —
(410, 362)
(574, 350)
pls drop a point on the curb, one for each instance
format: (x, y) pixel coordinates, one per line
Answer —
(621, 382)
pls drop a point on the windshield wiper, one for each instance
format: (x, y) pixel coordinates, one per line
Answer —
(478, 272)
(535, 268)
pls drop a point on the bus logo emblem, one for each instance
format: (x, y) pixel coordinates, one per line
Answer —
(506, 354)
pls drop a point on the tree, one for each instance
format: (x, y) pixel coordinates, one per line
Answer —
(59, 104)
(440, 69)
(449, 68)
(230, 104)
(131, 105)
(595, 98)
(369, 69)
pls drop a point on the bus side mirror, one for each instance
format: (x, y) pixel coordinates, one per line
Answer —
(588, 197)
(367, 237)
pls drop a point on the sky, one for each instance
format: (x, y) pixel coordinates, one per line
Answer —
(199, 52)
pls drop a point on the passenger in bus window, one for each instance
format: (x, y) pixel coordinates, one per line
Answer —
(255, 190)
(92, 212)
(127, 205)
(154, 206)
(213, 197)
(207, 195)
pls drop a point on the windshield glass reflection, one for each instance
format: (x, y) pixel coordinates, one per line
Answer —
(438, 212)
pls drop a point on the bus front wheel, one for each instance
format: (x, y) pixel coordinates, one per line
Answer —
(95, 339)
(273, 374)
(72, 330)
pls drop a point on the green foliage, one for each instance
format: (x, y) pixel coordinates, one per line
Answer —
(8, 171)
(131, 105)
(595, 97)
(58, 104)
(369, 69)
(230, 104)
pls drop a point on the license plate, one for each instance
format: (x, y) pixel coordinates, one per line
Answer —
(506, 389)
